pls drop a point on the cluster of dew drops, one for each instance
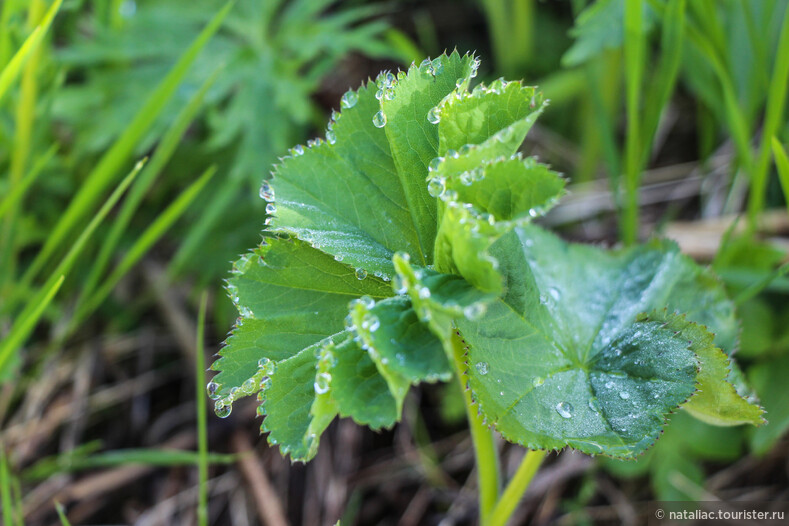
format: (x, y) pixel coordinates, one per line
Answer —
(259, 382)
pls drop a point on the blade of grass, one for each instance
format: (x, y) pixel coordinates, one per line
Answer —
(12, 70)
(22, 140)
(5, 489)
(164, 152)
(17, 192)
(662, 85)
(202, 426)
(158, 457)
(17, 497)
(219, 203)
(634, 68)
(774, 118)
(25, 323)
(762, 284)
(33, 309)
(148, 238)
(782, 166)
(62, 514)
(101, 176)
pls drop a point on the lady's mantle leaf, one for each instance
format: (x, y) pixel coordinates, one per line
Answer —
(562, 359)
(361, 194)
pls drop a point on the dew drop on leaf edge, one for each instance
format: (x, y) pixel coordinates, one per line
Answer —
(349, 99)
(379, 119)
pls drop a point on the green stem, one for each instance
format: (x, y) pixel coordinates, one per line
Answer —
(485, 453)
(516, 488)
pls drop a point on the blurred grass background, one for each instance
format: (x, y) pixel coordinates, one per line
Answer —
(134, 136)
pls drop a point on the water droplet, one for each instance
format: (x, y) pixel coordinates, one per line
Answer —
(263, 363)
(565, 409)
(555, 294)
(453, 154)
(379, 94)
(433, 166)
(436, 187)
(260, 410)
(474, 311)
(249, 386)
(624, 395)
(213, 390)
(399, 285)
(537, 382)
(298, 149)
(271, 209)
(482, 368)
(222, 409)
(438, 66)
(379, 119)
(322, 381)
(434, 115)
(361, 273)
(331, 138)
(609, 384)
(266, 192)
(594, 405)
(349, 99)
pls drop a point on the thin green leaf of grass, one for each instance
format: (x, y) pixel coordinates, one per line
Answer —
(125, 457)
(782, 167)
(17, 193)
(164, 152)
(14, 67)
(773, 120)
(753, 290)
(202, 426)
(25, 323)
(5, 489)
(634, 69)
(662, 85)
(152, 234)
(102, 175)
(22, 140)
(62, 514)
(36, 305)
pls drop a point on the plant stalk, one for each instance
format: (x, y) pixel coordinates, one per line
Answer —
(485, 453)
(516, 488)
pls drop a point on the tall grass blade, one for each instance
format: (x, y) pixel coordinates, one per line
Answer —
(25, 323)
(17, 193)
(634, 69)
(202, 426)
(14, 67)
(164, 152)
(782, 166)
(62, 514)
(662, 86)
(773, 120)
(101, 176)
(151, 235)
(5, 489)
(36, 305)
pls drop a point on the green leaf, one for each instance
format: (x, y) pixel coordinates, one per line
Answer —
(562, 359)
(290, 296)
(360, 195)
